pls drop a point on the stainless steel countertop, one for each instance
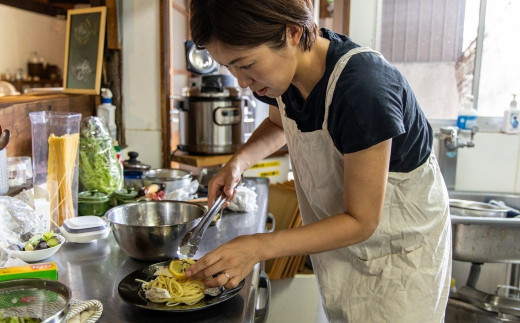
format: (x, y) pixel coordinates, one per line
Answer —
(94, 270)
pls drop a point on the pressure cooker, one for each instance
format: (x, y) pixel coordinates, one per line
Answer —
(210, 116)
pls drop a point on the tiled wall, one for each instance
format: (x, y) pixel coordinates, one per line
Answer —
(491, 166)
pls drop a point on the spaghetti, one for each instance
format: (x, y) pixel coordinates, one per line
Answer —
(172, 289)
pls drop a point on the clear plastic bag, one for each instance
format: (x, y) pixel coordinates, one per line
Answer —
(99, 168)
(18, 221)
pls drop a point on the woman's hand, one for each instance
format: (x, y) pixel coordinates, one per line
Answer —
(225, 181)
(228, 264)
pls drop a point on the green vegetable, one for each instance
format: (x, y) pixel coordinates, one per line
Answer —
(29, 247)
(48, 235)
(53, 242)
(21, 319)
(99, 168)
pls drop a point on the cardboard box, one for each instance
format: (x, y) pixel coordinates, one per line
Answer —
(47, 270)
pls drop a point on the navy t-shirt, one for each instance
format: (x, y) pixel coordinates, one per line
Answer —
(372, 102)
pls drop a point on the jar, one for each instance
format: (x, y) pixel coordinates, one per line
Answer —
(93, 203)
(133, 171)
(125, 196)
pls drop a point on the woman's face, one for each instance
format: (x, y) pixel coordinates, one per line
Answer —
(264, 70)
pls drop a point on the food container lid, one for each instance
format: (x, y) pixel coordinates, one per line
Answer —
(126, 194)
(167, 174)
(92, 196)
(133, 164)
(82, 224)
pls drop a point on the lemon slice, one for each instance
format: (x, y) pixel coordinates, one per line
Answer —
(178, 267)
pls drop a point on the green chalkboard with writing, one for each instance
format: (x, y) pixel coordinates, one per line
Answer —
(85, 39)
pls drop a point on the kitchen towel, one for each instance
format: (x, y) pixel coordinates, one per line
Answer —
(84, 311)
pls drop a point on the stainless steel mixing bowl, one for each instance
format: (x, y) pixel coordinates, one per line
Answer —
(152, 231)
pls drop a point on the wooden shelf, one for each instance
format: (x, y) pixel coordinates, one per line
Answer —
(211, 160)
(200, 160)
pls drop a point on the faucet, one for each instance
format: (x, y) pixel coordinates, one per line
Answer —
(451, 139)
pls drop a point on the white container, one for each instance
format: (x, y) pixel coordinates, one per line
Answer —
(85, 229)
(467, 116)
(16, 171)
(107, 111)
(4, 186)
(511, 123)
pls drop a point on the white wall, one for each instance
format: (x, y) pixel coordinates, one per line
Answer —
(365, 22)
(141, 80)
(22, 32)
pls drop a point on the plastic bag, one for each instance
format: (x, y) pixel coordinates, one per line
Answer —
(244, 200)
(18, 221)
(99, 168)
(184, 193)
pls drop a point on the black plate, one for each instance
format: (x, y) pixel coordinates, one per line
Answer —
(130, 291)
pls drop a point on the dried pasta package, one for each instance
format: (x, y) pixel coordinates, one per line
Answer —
(99, 168)
(55, 143)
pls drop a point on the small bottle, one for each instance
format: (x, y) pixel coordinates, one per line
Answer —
(511, 123)
(467, 117)
(107, 111)
(453, 288)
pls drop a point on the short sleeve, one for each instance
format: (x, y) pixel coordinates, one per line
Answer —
(367, 106)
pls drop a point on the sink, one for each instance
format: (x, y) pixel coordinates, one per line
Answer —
(486, 239)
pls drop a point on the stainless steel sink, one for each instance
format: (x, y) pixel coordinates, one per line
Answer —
(483, 239)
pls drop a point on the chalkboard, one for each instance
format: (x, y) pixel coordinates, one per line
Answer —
(84, 50)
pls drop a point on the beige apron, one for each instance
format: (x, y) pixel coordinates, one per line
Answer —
(402, 272)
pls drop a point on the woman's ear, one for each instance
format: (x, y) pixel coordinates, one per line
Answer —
(293, 34)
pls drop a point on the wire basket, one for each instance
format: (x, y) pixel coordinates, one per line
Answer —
(46, 300)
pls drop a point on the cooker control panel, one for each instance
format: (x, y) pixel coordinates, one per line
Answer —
(225, 116)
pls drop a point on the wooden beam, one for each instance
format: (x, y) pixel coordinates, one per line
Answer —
(166, 79)
(185, 72)
(35, 6)
(180, 10)
(346, 25)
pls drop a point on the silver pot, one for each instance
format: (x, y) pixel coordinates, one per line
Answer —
(479, 209)
(211, 122)
(171, 178)
(52, 299)
(152, 231)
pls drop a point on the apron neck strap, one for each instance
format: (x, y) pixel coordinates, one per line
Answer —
(334, 76)
(333, 79)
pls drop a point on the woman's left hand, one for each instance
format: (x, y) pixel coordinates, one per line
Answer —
(228, 264)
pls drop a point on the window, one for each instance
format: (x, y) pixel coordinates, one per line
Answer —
(434, 44)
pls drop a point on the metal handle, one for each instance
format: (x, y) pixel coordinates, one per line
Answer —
(206, 219)
(509, 222)
(264, 284)
(270, 220)
(190, 242)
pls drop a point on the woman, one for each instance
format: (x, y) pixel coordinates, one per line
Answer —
(372, 198)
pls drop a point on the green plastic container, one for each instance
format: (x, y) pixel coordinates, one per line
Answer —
(93, 203)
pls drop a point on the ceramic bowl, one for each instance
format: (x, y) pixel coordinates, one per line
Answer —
(38, 255)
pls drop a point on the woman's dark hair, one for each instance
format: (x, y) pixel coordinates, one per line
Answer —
(251, 23)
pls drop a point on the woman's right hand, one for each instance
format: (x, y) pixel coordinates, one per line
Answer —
(224, 181)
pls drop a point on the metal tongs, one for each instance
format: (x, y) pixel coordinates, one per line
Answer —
(191, 240)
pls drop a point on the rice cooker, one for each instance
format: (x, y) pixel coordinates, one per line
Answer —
(210, 116)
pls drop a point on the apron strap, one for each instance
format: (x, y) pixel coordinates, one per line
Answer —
(334, 76)
(333, 79)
